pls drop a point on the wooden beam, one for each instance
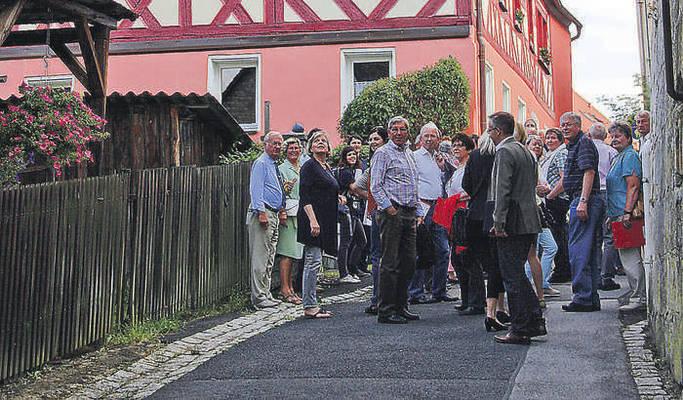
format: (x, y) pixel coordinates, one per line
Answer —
(95, 83)
(70, 60)
(37, 37)
(101, 38)
(78, 10)
(8, 17)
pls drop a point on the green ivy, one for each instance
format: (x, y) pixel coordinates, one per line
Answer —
(235, 156)
(439, 93)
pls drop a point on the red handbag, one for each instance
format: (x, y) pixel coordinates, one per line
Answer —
(628, 238)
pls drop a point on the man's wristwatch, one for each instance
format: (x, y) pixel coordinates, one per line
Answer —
(583, 200)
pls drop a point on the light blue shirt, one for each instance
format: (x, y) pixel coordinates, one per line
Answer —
(264, 185)
(625, 164)
(428, 175)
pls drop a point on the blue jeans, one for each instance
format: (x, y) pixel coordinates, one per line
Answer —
(440, 267)
(313, 258)
(546, 242)
(375, 256)
(585, 252)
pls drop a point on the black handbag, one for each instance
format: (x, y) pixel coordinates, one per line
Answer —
(547, 217)
(425, 248)
(459, 227)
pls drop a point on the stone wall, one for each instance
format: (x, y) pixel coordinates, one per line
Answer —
(666, 204)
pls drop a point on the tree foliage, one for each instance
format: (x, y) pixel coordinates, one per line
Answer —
(439, 93)
(624, 107)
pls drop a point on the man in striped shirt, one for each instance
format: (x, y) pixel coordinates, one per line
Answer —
(586, 214)
(394, 187)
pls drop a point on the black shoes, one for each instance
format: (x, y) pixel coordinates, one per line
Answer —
(503, 317)
(392, 319)
(410, 316)
(421, 300)
(609, 284)
(371, 309)
(575, 307)
(472, 311)
(539, 330)
(513, 338)
(493, 325)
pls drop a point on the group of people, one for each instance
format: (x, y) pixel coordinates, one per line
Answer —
(510, 213)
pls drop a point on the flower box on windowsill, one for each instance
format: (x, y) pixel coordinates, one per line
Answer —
(502, 6)
(544, 66)
(518, 28)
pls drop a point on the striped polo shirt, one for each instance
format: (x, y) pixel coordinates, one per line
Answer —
(582, 155)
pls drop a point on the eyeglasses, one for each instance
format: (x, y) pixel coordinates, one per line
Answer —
(566, 124)
(399, 129)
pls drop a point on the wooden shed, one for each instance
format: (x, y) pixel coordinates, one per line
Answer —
(161, 130)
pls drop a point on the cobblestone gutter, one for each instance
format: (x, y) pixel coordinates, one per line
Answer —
(170, 363)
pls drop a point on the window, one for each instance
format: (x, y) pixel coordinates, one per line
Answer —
(362, 67)
(236, 82)
(490, 91)
(521, 111)
(55, 81)
(507, 99)
(541, 31)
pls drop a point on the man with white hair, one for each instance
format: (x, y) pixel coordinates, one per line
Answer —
(586, 214)
(394, 187)
(643, 128)
(609, 255)
(265, 213)
(430, 164)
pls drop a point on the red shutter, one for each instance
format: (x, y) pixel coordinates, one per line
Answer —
(516, 6)
(530, 20)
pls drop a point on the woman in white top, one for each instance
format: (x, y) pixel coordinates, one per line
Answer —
(462, 145)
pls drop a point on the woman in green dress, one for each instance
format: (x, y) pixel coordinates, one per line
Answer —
(287, 246)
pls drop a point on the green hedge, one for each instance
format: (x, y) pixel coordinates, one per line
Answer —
(438, 93)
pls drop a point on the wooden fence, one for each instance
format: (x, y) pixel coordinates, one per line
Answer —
(77, 258)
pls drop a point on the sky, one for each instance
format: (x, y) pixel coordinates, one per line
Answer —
(605, 57)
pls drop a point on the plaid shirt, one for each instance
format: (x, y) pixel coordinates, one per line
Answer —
(394, 177)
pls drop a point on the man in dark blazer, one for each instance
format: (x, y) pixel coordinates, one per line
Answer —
(516, 224)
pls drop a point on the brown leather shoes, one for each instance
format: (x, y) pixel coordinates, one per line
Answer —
(513, 338)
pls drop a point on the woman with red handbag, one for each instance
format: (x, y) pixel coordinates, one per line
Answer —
(623, 189)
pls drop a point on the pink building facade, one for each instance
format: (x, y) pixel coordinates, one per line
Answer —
(276, 62)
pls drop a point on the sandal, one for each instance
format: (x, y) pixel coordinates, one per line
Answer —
(293, 299)
(320, 314)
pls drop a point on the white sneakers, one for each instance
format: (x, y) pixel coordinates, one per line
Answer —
(551, 292)
(349, 279)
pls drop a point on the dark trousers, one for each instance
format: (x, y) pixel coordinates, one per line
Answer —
(482, 250)
(525, 311)
(559, 208)
(352, 241)
(397, 237)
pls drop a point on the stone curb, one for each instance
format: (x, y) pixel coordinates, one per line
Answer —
(176, 359)
(645, 373)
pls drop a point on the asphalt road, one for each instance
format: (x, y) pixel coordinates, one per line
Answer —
(443, 356)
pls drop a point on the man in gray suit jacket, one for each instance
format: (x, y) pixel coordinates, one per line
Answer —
(516, 224)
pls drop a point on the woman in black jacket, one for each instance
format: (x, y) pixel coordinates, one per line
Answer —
(317, 218)
(479, 221)
(352, 238)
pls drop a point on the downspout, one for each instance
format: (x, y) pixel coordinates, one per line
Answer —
(482, 68)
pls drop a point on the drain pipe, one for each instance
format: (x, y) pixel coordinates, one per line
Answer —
(482, 68)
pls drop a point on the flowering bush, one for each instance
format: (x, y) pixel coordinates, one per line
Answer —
(53, 125)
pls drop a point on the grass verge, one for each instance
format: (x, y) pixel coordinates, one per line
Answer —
(151, 330)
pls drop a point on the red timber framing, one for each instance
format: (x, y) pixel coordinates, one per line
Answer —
(515, 48)
(273, 20)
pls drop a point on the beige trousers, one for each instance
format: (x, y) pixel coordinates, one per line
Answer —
(633, 267)
(262, 245)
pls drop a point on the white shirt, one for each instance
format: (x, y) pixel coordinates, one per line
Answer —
(454, 185)
(429, 175)
(606, 154)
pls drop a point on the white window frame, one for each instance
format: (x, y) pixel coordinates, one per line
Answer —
(352, 56)
(507, 100)
(521, 104)
(217, 63)
(32, 80)
(490, 89)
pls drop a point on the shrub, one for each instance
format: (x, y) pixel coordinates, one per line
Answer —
(235, 156)
(438, 93)
(48, 125)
